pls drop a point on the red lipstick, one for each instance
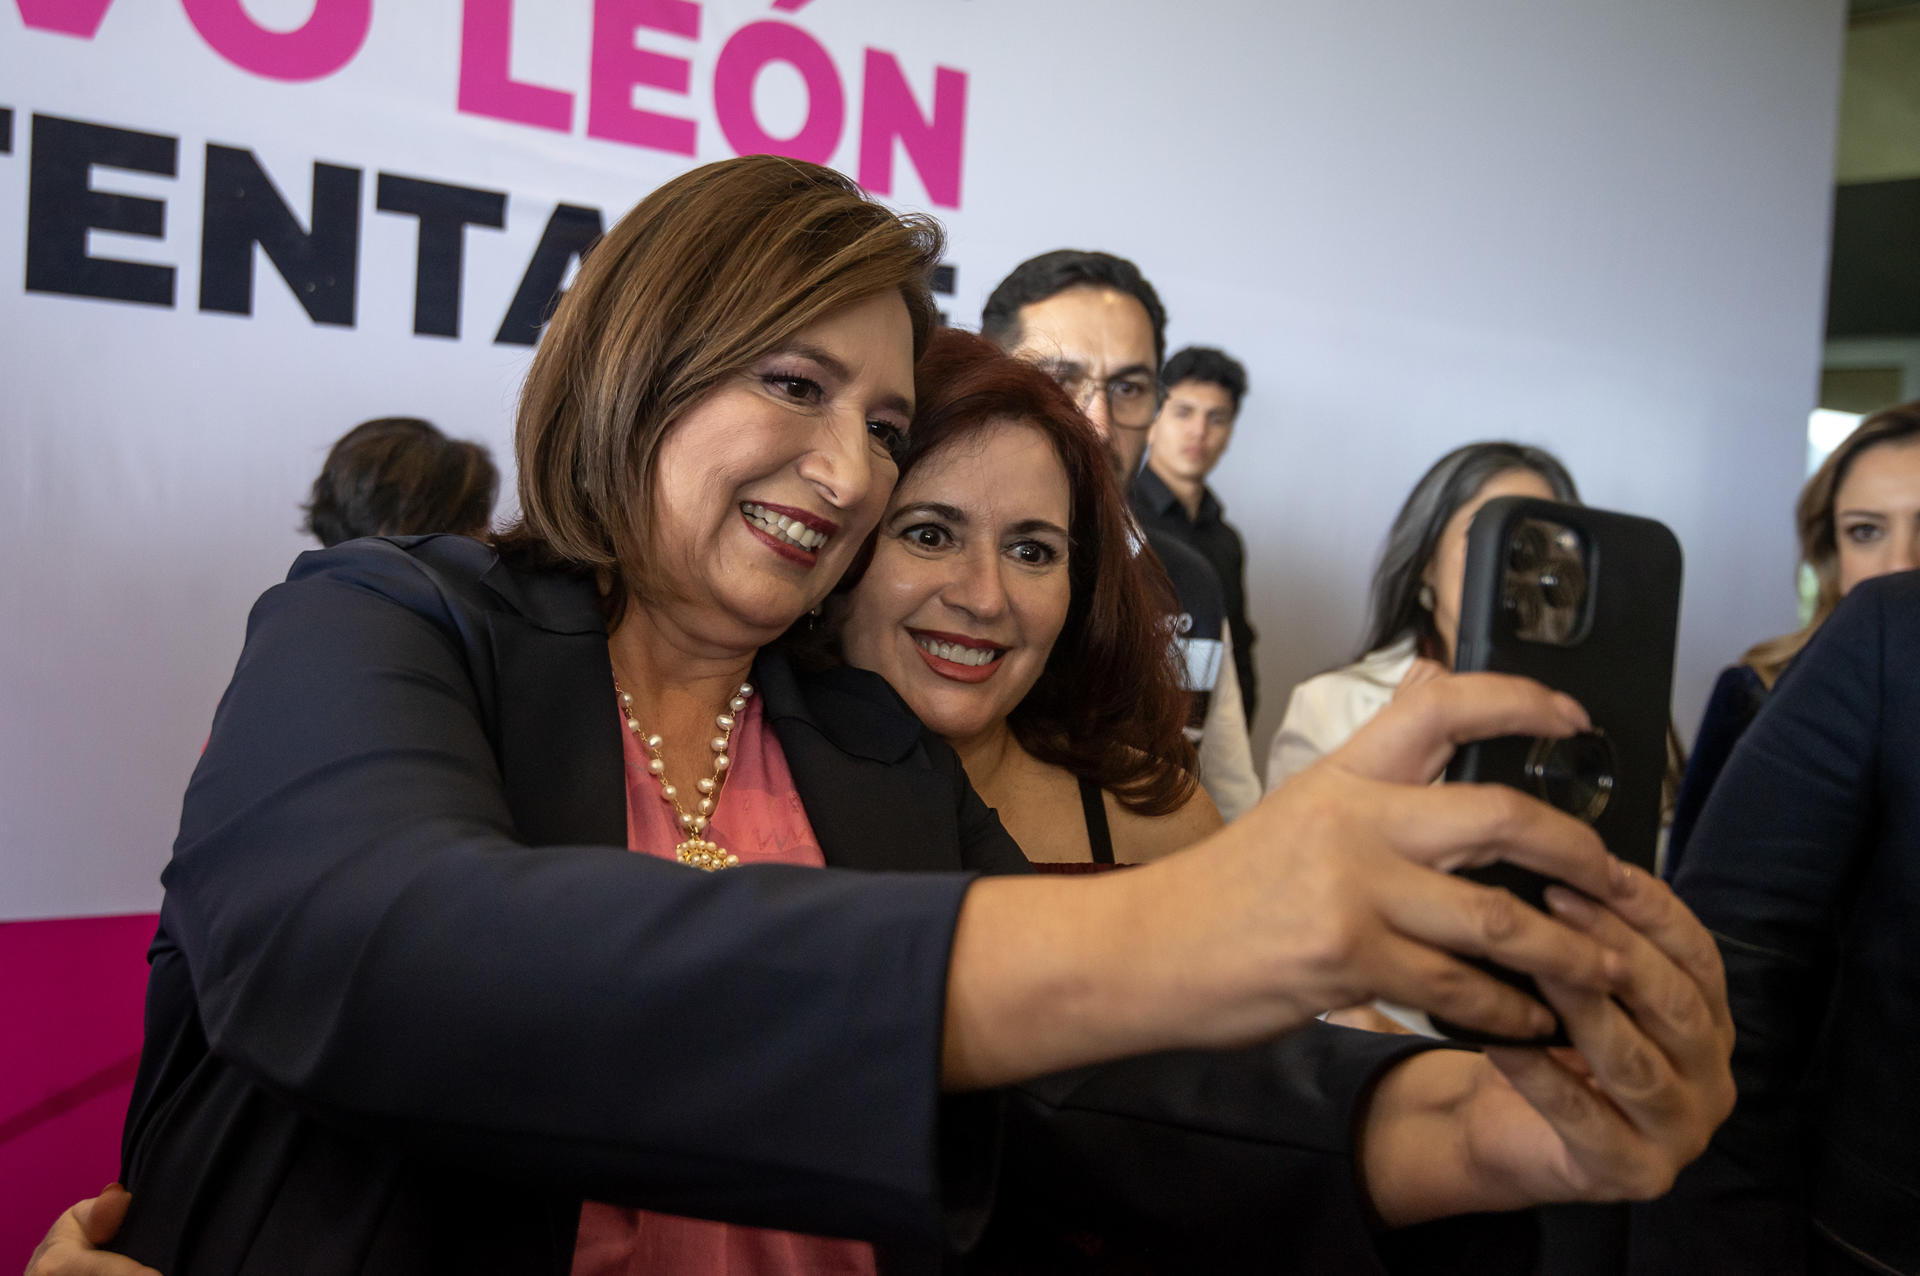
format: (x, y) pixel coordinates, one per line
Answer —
(953, 669)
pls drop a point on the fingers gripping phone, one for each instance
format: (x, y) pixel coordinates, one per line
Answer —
(1586, 601)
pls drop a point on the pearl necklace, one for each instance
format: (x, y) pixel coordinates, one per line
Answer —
(696, 851)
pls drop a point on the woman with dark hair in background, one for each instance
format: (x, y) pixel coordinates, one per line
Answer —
(413, 998)
(1005, 604)
(399, 476)
(1858, 517)
(1414, 613)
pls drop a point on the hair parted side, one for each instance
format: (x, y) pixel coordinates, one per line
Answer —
(708, 273)
(1108, 705)
(1819, 539)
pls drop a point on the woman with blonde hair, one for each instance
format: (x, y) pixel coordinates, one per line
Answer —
(1858, 517)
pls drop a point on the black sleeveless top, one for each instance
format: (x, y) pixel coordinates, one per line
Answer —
(1094, 809)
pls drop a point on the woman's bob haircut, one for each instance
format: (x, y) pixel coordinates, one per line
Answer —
(707, 274)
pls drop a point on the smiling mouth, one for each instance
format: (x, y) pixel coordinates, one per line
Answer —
(958, 653)
(790, 531)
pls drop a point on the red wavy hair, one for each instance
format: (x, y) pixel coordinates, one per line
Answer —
(1109, 705)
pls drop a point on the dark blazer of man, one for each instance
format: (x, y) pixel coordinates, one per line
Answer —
(1806, 866)
(1214, 539)
(412, 999)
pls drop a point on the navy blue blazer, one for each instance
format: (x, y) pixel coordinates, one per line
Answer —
(1806, 866)
(401, 874)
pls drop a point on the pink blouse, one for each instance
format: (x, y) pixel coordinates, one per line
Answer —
(759, 818)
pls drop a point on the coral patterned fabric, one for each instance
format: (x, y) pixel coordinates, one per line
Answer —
(759, 819)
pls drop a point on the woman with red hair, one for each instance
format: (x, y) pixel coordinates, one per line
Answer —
(1005, 603)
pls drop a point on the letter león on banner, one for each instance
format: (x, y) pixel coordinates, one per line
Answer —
(651, 45)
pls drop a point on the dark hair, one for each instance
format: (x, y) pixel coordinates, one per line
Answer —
(1395, 609)
(1209, 367)
(1108, 705)
(398, 476)
(1050, 274)
(708, 273)
(1819, 538)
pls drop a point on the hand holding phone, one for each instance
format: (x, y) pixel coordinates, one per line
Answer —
(1586, 601)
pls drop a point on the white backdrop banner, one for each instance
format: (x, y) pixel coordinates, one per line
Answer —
(230, 229)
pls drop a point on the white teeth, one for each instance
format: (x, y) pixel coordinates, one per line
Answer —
(791, 530)
(959, 655)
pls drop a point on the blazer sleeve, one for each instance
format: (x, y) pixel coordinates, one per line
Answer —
(1777, 854)
(368, 937)
(1239, 1160)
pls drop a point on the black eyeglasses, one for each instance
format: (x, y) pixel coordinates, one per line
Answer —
(1132, 400)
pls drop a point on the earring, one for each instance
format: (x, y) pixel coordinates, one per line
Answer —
(1426, 597)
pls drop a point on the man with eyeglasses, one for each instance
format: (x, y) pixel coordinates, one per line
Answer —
(1094, 323)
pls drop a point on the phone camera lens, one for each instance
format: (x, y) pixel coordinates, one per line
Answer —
(1545, 582)
(1574, 774)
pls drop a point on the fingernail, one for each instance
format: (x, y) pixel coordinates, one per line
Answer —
(1541, 1022)
(1622, 879)
(1574, 712)
(1571, 906)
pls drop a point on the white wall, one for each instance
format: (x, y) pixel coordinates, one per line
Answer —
(1594, 224)
(1598, 227)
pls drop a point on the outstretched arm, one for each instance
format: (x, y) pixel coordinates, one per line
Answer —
(1334, 890)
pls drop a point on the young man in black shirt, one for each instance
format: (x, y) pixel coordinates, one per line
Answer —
(1202, 390)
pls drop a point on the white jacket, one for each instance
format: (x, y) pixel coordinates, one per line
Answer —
(1326, 710)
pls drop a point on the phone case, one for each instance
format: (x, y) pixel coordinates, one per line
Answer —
(1612, 650)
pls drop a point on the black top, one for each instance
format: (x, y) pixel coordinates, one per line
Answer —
(1202, 624)
(412, 999)
(1216, 541)
(1094, 808)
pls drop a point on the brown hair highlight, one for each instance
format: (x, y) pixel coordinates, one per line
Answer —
(710, 272)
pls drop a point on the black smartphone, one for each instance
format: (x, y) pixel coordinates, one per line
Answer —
(1586, 601)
